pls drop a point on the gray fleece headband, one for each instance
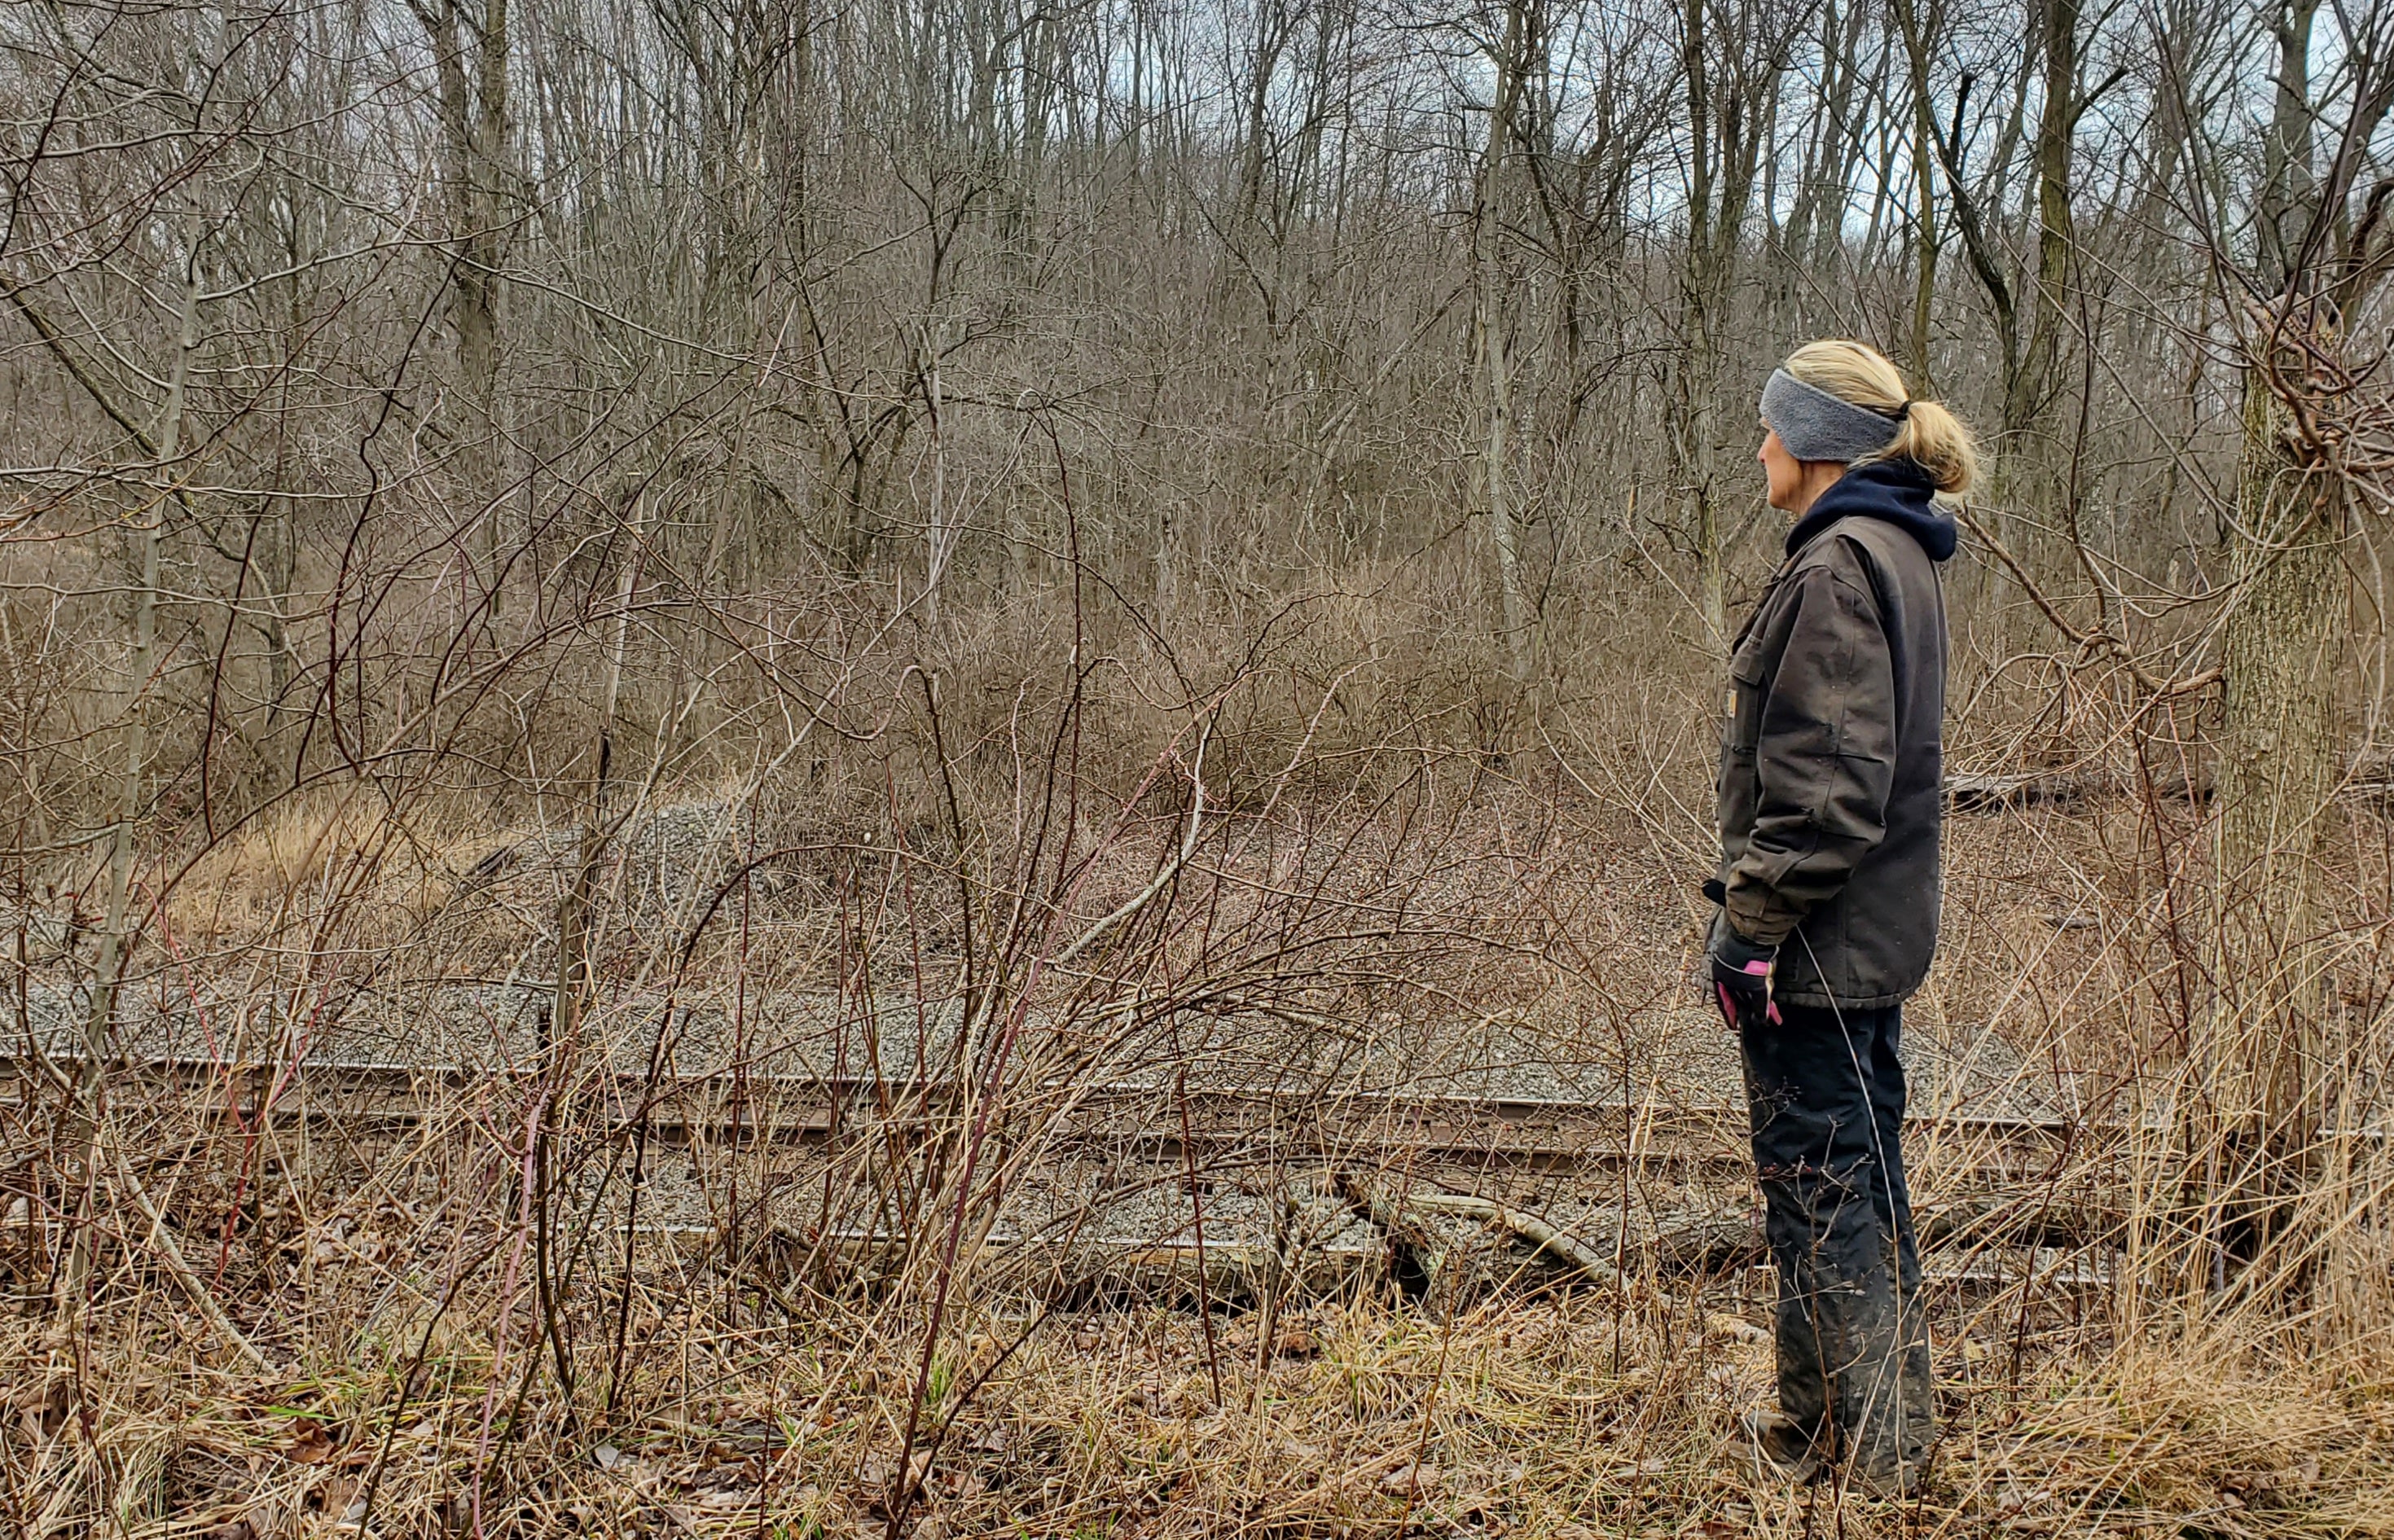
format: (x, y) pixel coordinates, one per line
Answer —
(1815, 425)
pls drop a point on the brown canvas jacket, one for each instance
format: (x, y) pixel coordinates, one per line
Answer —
(1829, 796)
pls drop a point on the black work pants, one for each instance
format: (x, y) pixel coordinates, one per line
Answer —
(1826, 1097)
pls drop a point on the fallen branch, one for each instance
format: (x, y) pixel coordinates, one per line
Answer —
(163, 1240)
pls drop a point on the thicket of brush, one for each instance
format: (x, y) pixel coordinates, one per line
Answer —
(1265, 872)
(602, 548)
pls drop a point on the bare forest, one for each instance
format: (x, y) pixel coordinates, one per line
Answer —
(939, 767)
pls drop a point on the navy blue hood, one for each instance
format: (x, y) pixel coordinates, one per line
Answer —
(1897, 491)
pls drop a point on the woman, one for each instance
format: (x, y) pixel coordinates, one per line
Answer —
(1829, 805)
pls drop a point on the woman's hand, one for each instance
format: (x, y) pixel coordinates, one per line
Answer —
(1741, 975)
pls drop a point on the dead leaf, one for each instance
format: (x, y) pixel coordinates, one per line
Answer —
(308, 1443)
(880, 1475)
(45, 1413)
(1297, 1342)
(337, 1494)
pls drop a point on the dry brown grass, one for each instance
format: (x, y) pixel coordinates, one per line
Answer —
(1555, 1417)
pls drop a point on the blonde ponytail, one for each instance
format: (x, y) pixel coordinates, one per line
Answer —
(1861, 375)
(1936, 439)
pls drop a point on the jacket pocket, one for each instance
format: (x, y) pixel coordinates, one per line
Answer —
(1747, 671)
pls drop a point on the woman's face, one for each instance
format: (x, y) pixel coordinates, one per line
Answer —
(1794, 483)
(1782, 470)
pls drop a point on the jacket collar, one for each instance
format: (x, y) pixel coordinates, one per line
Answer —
(1898, 492)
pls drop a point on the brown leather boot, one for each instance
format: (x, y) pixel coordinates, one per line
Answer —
(1779, 1449)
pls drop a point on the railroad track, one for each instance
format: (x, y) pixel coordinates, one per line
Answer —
(1152, 1116)
(1233, 1174)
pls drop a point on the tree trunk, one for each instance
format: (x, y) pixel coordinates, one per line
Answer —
(1924, 179)
(2277, 768)
(116, 936)
(1730, 125)
(1699, 366)
(2025, 391)
(473, 110)
(1491, 354)
(2283, 202)
(2252, 1114)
